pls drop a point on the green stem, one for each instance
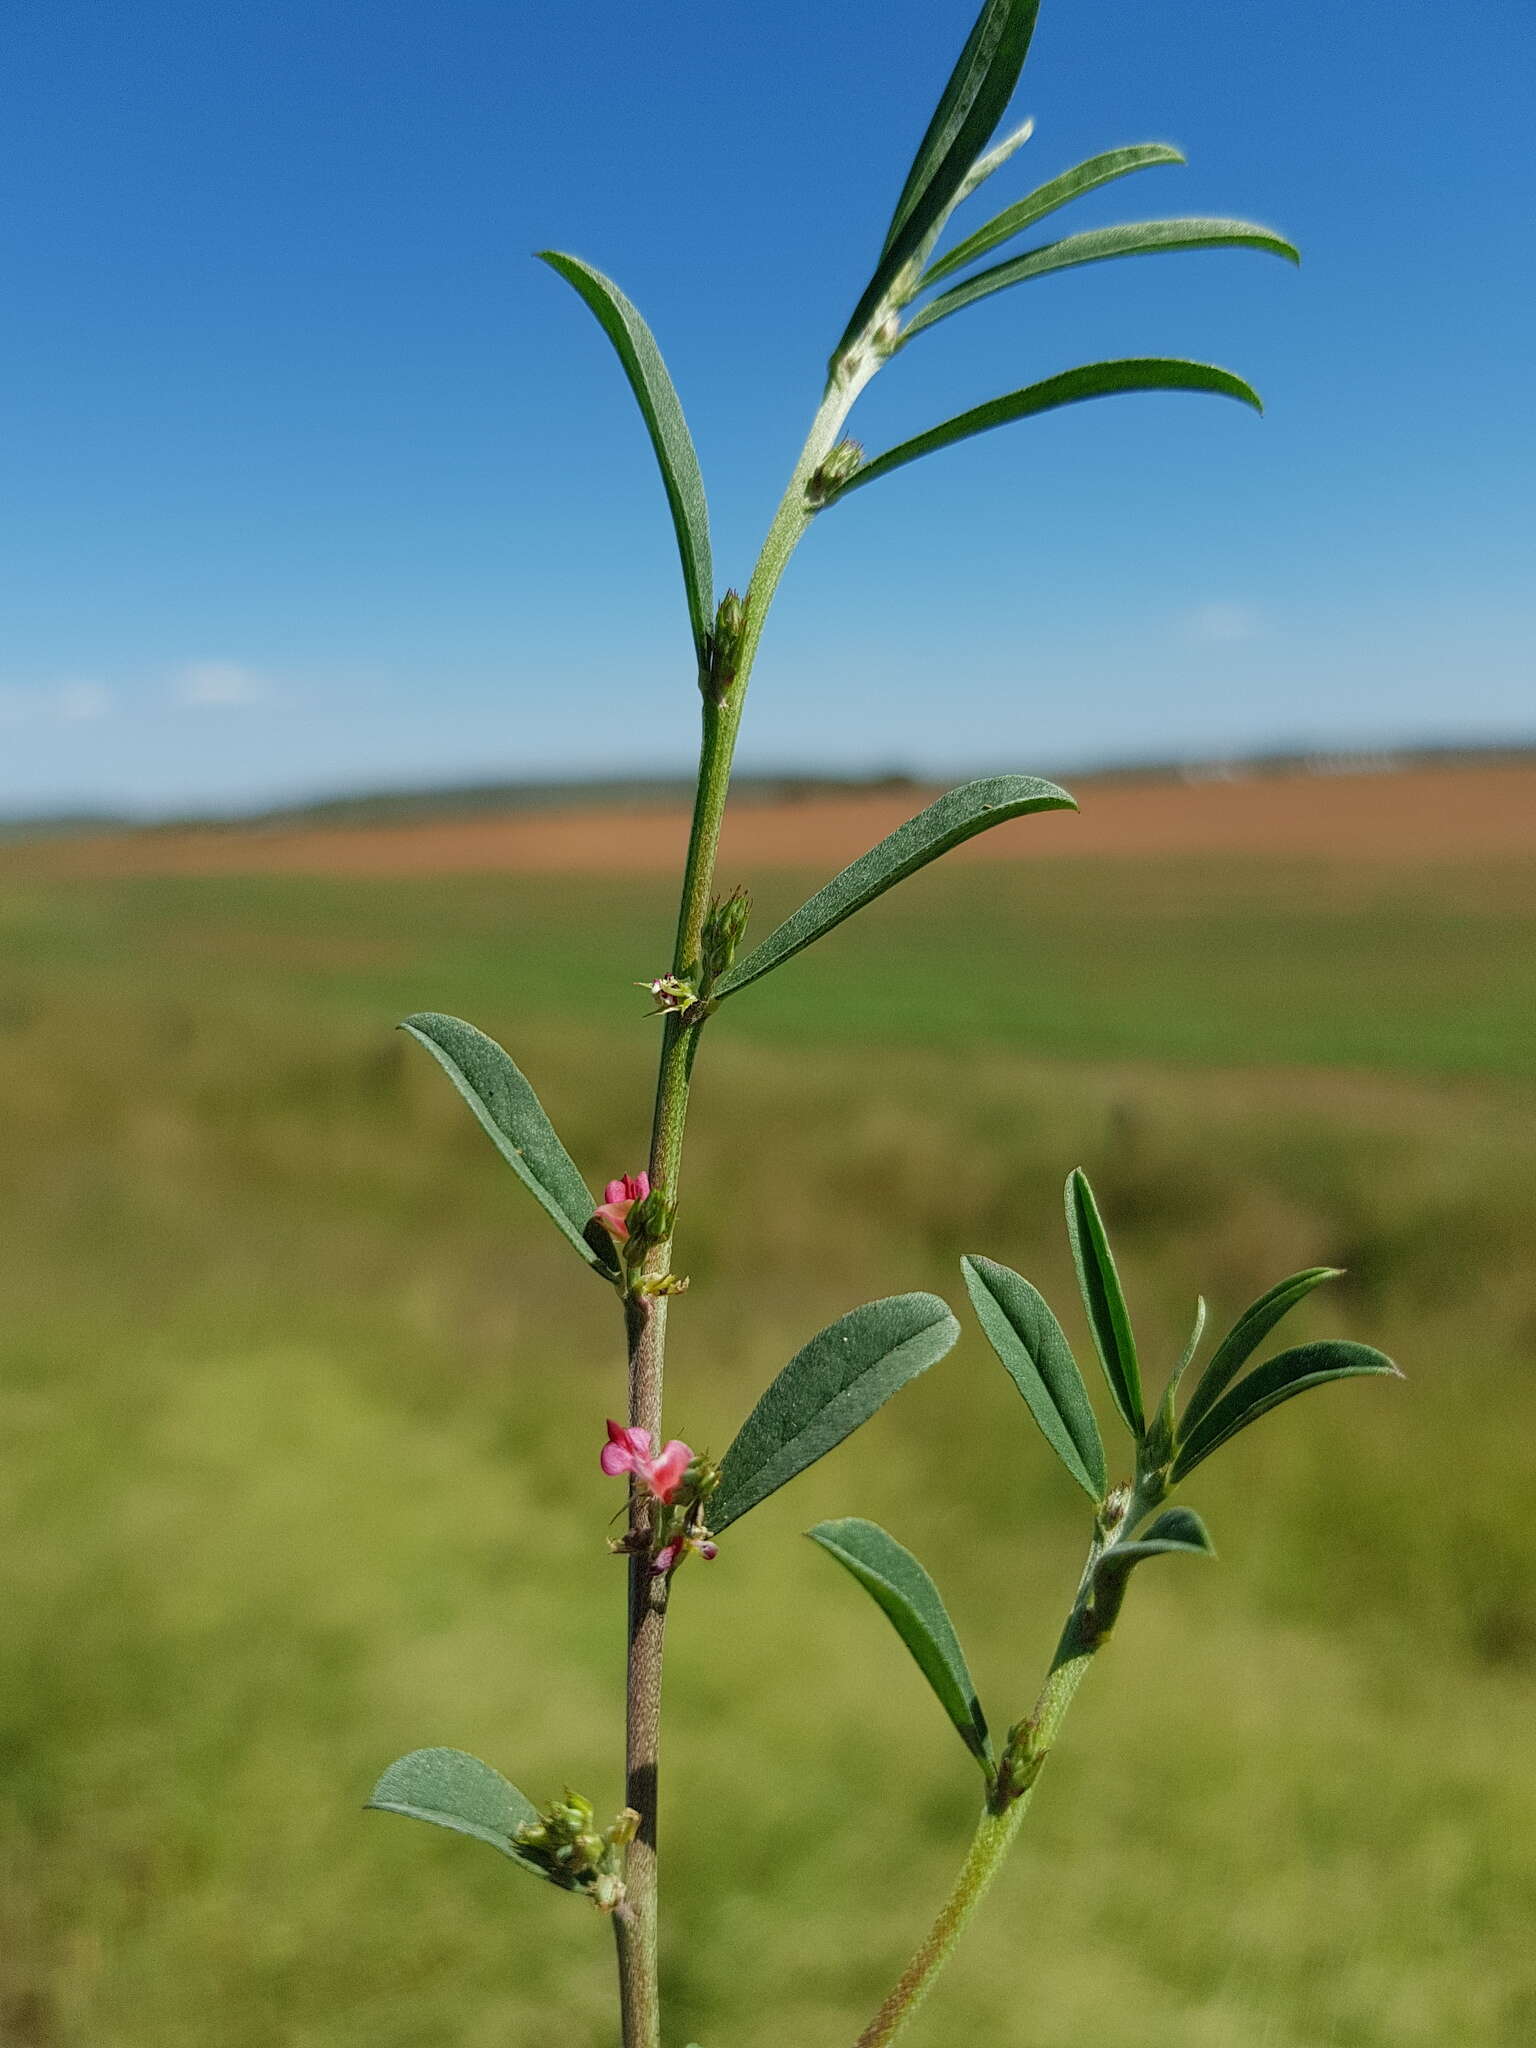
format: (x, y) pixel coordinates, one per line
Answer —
(1087, 1629)
(990, 1844)
(635, 1926)
(722, 721)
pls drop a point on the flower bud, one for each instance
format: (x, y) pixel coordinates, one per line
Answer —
(566, 1844)
(651, 1220)
(724, 646)
(623, 1830)
(839, 466)
(701, 1478)
(724, 929)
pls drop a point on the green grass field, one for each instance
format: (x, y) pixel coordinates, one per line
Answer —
(302, 1399)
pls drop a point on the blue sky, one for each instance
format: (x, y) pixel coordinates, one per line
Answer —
(314, 480)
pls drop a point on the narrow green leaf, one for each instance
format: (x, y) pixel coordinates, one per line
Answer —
(969, 110)
(1038, 1359)
(893, 1577)
(1072, 387)
(993, 161)
(838, 1381)
(1245, 1337)
(1047, 199)
(507, 1109)
(1293, 1372)
(976, 807)
(1133, 238)
(1177, 1530)
(663, 413)
(452, 1789)
(1107, 1314)
(1186, 1356)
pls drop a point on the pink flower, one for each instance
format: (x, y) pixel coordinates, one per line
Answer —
(673, 1553)
(619, 1197)
(629, 1450)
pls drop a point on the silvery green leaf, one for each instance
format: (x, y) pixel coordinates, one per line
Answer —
(512, 1116)
(1245, 1337)
(1278, 1379)
(1186, 1356)
(662, 411)
(1049, 198)
(1179, 1530)
(454, 1790)
(1093, 380)
(910, 1600)
(968, 112)
(993, 161)
(834, 1383)
(1102, 1298)
(1098, 245)
(961, 815)
(1038, 1359)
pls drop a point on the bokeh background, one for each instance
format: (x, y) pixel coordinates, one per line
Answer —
(301, 1398)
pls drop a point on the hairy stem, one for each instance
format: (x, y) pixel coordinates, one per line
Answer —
(1086, 1631)
(635, 1927)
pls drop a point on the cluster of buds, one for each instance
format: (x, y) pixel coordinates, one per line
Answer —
(1023, 1757)
(836, 469)
(690, 995)
(724, 929)
(566, 1843)
(723, 648)
(674, 1485)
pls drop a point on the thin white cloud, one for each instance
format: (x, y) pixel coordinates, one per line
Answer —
(55, 704)
(1220, 624)
(77, 703)
(219, 686)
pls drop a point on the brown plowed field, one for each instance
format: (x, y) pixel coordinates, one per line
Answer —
(1418, 814)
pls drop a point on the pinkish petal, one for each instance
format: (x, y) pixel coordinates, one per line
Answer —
(707, 1550)
(664, 1560)
(612, 1216)
(639, 1185)
(615, 1191)
(627, 1450)
(666, 1473)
